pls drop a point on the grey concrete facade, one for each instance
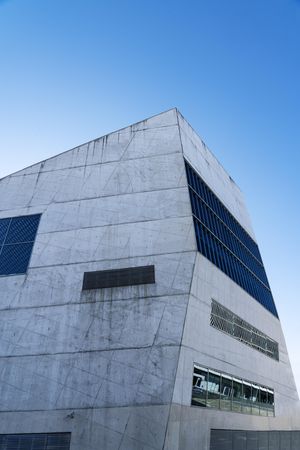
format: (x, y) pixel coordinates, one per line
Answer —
(114, 366)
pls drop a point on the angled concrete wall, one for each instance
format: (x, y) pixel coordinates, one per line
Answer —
(201, 343)
(114, 366)
(102, 363)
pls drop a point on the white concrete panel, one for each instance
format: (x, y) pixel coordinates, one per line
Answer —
(35, 168)
(146, 174)
(114, 242)
(16, 192)
(115, 210)
(56, 285)
(107, 148)
(155, 141)
(95, 326)
(75, 183)
(165, 119)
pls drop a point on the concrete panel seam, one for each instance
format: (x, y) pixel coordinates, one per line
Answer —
(17, 308)
(88, 351)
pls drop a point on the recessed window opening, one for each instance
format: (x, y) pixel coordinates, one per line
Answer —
(128, 276)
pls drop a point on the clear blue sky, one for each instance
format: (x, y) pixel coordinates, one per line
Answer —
(73, 70)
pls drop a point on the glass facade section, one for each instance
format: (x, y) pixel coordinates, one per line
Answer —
(222, 240)
(225, 320)
(17, 235)
(213, 389)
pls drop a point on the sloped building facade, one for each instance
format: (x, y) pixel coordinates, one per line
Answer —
(135, 309)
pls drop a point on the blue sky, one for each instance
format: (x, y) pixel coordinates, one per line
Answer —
(74, 70)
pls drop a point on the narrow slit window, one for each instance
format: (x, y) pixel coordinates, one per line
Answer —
(128, 276)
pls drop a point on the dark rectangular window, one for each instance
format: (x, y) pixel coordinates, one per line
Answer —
(37, 441)
(17, 235)
(222, 240)
(118, 277)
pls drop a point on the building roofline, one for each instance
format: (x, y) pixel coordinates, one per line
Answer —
(91, 140)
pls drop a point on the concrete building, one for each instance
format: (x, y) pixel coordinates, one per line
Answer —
(135, 310)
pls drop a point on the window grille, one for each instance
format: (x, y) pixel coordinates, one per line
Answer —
(225, 320)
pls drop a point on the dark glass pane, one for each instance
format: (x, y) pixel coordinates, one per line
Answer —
(199, 392)
(255, 399)
(237, 395)
(271, 400)
(43, 441)
(239, 256)
(247, 398)
(14, 258)
(22, 229)
(4, 223)
(226, 393)
(263, 401)
(213, 389)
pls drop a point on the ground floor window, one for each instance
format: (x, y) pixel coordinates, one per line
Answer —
(214, 389)
(36, 441)
(246, 439)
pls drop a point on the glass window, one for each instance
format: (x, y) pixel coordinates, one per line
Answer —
(263, 401)
(17, 235)
(255, 399)
(4, 224)
(238, 248)
(247, 398)
(226, 393)
(237, 395)
(270, 404)
(222, 391)
(213, 389)
(200, 382)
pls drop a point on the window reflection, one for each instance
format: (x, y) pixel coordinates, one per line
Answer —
(247, 398)
(270, 402)
(200, 380)
(255, 399)
(212, 389)
(226, 393)
(237, 389)
(263, 401)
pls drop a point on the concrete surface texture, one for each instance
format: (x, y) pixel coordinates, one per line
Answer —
(114, 366)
